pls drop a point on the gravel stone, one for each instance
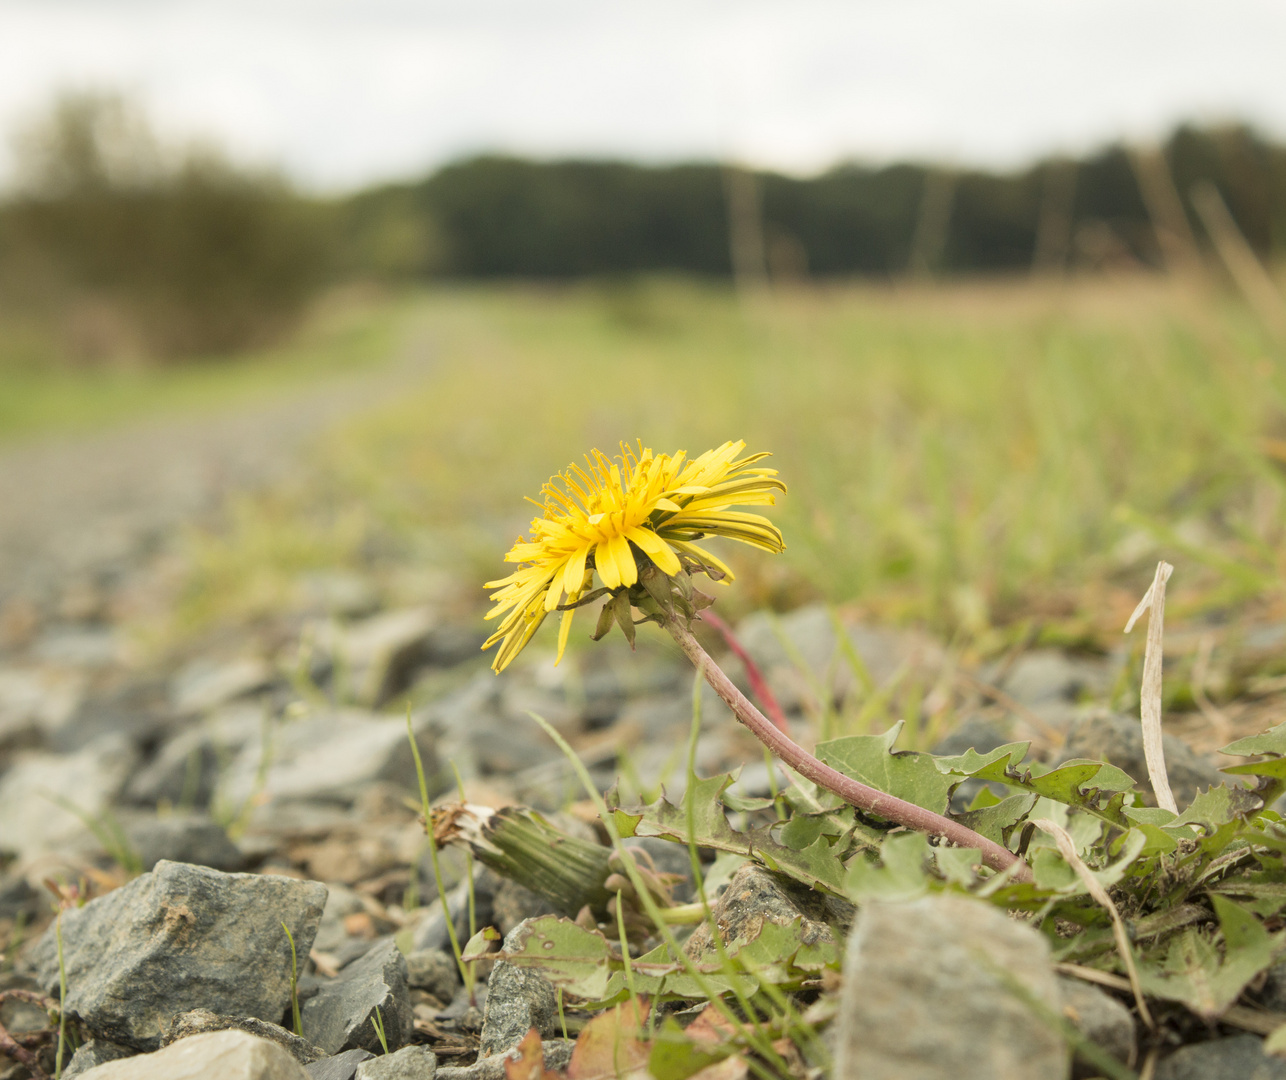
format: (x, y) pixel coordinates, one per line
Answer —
(433, 971)
(92, 1053)
(219, 1055)
(922, 999)
(558, 1053)
(185, 838)
(339, 1016)
(1238, 1057)
(409, 1063)
(517, 1001)
(340, 1067)
(755, 895)
(1102, 1019)
(180, 938)
(32, 824)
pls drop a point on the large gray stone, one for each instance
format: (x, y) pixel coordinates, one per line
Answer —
(518, 1000)
(339, 1016)
(926, 996)
(409, 1063)
(1119, 740)
(220, 1055)
(1237, 1057)
(181, 938)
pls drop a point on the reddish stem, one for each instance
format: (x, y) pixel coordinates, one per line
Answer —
(756, 676)
(851, 791)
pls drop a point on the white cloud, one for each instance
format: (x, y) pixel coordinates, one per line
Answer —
(340, 92)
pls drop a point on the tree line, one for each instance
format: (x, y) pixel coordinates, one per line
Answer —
(115, 238)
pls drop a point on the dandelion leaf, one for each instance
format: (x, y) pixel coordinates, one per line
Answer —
(1272, 741)
(906, 774)
(900, 874)
(699, 817)
(1095, 786)
(570, 956)
(996, 822)
(1195, 973)
(972, 763)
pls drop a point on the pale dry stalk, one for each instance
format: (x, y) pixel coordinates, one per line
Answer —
(1067, 848)
(1153, 603)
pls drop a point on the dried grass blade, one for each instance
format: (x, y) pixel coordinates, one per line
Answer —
(1153, 602)
(1067, 848)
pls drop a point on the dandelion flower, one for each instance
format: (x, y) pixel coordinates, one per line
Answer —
(620, 516)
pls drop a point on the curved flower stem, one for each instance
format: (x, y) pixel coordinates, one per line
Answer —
(851, 791)
(757, 681)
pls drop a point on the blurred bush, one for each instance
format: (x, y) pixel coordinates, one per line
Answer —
(116, 248)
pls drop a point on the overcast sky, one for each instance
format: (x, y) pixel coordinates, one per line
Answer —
(342, 92)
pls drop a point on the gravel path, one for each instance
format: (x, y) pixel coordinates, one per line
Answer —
(75, 506)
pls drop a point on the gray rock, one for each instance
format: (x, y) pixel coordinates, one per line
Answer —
(1045, 676)
(205, 684)
(1119, 740)
(338, 594)
(136, 710)
(517, 1001)
(95, 1052)
(433, 971)
(340, 1016)
(810, 633)
(31, 820)
(755, 895)
(331, 756)
(378, 653)
(340, 1067)
(180, 938)
(1102, 1019)
(220, 1055)
(186, 838)
(409, 1063)
(430, 932)
(186, 768)
(1273, 994)
(923, 996)
(1237, 1057)
(202, 1021)
(558, 1053)
(17, 898)
(513, 903)
(340, 902)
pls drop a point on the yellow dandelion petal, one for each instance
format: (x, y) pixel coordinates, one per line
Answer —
(656, 549)
(611, 514)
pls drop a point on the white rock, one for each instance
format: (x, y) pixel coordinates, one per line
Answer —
(219, 1055)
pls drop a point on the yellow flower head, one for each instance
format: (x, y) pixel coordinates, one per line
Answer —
(615, 512)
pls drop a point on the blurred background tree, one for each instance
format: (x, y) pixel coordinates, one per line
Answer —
(117, 248)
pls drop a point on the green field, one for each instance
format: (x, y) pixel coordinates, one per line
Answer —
(346, 334)
(988, 459)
